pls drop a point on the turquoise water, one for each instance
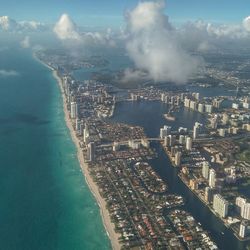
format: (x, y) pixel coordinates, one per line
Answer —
(44, 200)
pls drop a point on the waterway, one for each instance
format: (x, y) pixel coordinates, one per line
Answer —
(149, 116)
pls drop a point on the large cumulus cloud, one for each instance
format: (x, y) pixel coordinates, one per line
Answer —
(153, 45)
(67, 31)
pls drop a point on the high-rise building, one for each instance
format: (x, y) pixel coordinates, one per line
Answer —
(222, 132)
(163, 97)
(189, 143)
(208, 108)
(73, 110)
(212, 178)
(196, 95)
(78, 123)
(187, 102)
(182, 139)
(245, 211)
(208, 194)
(196, 130)
(201, 107)
(220, 205)
(86, 134)
(177, 159)
(217, 103)
(240, 202)
(205, 170)
(91, 151)
(165, 131)
(225, 119)
(166, 141)
(214, 122)
(244, 229)
(235, 106)
(193, 105)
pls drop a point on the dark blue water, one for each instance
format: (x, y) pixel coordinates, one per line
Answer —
(45, 202)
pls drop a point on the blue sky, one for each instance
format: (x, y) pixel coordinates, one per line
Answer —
(110, 12)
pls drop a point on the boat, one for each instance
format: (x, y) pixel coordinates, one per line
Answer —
(169, 117)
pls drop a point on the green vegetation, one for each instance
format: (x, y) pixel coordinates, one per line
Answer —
(244, 156)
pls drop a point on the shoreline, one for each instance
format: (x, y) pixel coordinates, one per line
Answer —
(108, 225)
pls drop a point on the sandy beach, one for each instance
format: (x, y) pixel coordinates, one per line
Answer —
(109, 226)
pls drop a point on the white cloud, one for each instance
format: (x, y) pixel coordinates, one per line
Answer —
(25, 43)
(7, 24)
(10, 25)
(153, 45)
(130, 75)
(66, 29)
(246, 23)
(8, 73)
(73, 37)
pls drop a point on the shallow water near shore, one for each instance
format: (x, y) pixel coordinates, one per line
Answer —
(45, 201)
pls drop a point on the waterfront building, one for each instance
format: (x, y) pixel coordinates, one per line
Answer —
(205, 170)
(187, 102)
(193, 105)
(177, 159)
(182, 139)
(177, 101)
(244, 229)
(208, 194)
(240, 202)
(245, 211)
(163, 97)
(85, 134)
(196, 96)
(166, 141)
(189, 143)
(91, 151)
(235, 106)
(77, 124)
(81, 128)
(196, 130)
(201, 107)
(214, 122)
(246, 105)
(212, 178)
(134, 97)
(220, 205)
(182, 130)
(217, 103)
(193, 184)
(171, 140)
(172, 100)
(165, 131)
(208, 108)
(73, 110)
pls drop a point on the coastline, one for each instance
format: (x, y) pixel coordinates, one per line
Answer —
(108, 225)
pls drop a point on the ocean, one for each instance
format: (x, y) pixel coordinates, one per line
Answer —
(45, 201)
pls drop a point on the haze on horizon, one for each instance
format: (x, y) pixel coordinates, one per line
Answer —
(162, 38)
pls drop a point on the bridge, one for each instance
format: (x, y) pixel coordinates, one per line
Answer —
(157, 139)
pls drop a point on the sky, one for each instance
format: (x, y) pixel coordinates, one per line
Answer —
(111, 12)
